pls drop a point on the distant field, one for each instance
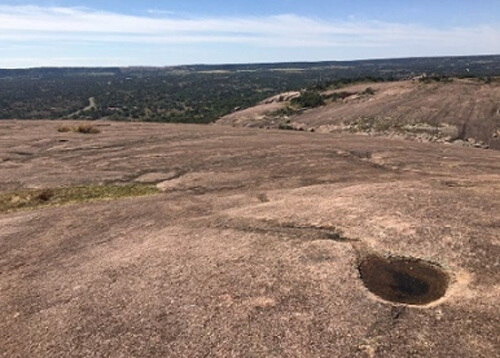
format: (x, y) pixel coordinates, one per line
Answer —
(195, 94)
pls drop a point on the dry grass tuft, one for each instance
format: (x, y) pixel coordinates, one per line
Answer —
(64, 129)
(86, 129)
(82, 128)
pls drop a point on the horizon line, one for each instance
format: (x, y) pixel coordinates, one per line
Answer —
(253, 63)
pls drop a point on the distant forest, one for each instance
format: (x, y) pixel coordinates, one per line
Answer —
(197, 93)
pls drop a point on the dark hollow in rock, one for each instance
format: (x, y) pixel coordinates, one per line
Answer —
(403, 280)
(45, 195)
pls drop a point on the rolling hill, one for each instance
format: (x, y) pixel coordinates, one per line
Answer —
(451, 110)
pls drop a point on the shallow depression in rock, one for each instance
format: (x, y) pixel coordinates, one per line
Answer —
(403, 280)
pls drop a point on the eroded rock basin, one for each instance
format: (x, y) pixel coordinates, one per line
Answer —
(403, 280)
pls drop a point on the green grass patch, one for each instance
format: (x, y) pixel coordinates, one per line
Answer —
(36, 198)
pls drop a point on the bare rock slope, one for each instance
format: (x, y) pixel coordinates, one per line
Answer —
(251, 249)
(465, 111)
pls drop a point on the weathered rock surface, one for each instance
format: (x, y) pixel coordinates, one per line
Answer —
(460, 109)
(253, 250)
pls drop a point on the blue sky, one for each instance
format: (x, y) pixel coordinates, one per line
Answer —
(160, 33)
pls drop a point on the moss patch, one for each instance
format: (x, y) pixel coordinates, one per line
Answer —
(35, 198)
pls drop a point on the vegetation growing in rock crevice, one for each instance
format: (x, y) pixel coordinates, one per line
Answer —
(82, 128)
(368, 91)
(435, 78)
(35, 198)
(308, 99)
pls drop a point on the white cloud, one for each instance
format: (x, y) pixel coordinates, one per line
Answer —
(23, 62)
(160, 12)
(50, 25)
